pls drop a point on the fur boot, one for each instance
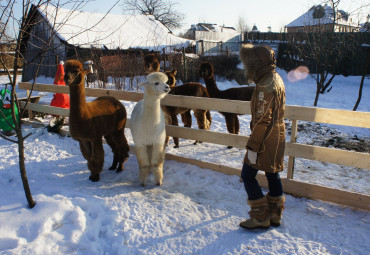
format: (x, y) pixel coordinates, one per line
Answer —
(259, 215)
(276, 205)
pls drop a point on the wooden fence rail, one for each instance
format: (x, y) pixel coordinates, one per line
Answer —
(292, 149)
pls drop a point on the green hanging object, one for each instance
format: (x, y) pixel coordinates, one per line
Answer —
(5, 97)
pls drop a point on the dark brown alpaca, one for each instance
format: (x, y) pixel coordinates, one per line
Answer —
(89, 122)
(203, 117)
(242, 93)
(151, 63)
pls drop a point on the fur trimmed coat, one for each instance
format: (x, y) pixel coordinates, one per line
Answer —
(267, 124)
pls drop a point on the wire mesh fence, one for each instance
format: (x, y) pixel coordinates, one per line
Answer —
(125, 70)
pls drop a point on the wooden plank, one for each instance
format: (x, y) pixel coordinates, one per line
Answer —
(44, 87)
(45, 109)
(203, 164)
(329, 155)
(317, 192)
(238, 141)
(328, 116)
(293, 138)
(221, 105)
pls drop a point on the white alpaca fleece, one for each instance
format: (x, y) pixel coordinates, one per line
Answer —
(157, 77)
(148, 128)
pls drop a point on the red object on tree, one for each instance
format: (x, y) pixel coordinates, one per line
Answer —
(60, 100)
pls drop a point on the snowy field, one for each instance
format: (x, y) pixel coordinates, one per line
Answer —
(195, 211)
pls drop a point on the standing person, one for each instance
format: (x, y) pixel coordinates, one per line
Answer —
(265, 147)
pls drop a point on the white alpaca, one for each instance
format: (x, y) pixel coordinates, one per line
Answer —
(148, 128)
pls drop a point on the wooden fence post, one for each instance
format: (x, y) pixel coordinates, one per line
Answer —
(184, 60)
(293, 139)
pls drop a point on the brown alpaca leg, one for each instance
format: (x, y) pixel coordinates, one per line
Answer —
(209, 119)
(117, 141)
(114, 146)
(236, 124)
(85, 148)
(175, 122)
(186, 118)
(230, 124)
(95, 164)
(202, 121)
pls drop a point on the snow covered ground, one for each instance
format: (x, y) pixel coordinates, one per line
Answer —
(195, 211)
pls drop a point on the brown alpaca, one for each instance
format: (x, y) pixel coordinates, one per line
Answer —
(203, 117)
(151, 63)
(242, 93)
(89, 122)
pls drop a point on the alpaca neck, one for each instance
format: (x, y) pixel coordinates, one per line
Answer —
(211, 86)
(152, 108)
(77, 100)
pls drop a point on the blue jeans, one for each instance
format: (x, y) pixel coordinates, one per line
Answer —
(252, 187)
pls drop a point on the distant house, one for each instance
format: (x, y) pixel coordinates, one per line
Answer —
(254, 29)
(366, 26)
(72, 34)
(322, 18)
(213, 38)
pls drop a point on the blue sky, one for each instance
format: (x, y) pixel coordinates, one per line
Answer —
(265, 13)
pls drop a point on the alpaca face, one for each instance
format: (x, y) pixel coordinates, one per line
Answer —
(171, 78)
(156, 84)
(206, 70)
(151, 63)
(73, 72)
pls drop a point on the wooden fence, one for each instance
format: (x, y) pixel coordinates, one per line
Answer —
(292, 149)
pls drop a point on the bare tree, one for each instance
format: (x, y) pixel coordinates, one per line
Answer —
(366, 68)
(162, 10)
(242, 25)
(22, 26)
(324, 49)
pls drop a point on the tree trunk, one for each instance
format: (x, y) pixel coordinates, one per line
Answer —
(318, 88)
(22, 168)
(317, 97)
(362, 81)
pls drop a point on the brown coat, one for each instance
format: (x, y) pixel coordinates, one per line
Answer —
(267, 123)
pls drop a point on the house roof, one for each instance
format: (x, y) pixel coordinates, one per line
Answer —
(254, 28)
(111, 31)
(211, 27)
(321, 15)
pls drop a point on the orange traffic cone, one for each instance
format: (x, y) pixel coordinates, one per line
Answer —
(60, 100)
